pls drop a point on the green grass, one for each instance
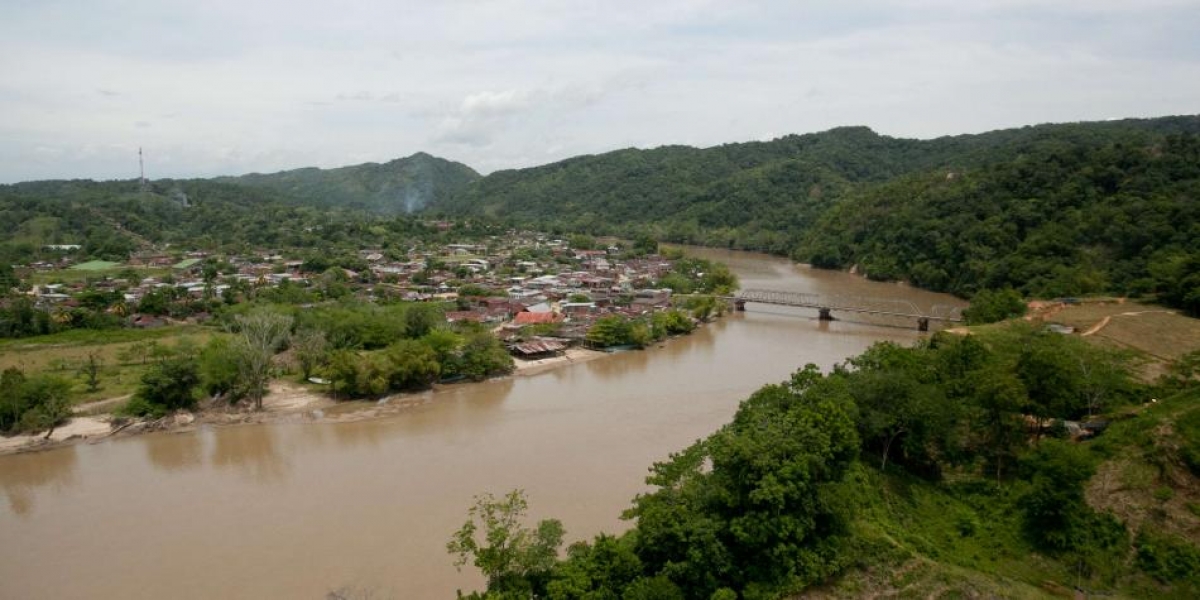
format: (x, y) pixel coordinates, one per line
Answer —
(73, 275)
(91, 337)
(952, 540)
(97, 265)
(64, 355)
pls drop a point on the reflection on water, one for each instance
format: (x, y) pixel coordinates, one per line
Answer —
(178, 452)
(379, 498)
(251, 451)
(24, 475)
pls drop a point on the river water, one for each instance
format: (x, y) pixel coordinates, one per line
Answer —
(296, 510)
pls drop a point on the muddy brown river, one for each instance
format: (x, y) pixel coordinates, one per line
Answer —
(297, 510)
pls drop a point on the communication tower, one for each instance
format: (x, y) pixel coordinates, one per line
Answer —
(141, 169)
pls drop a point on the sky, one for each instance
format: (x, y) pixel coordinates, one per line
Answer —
(221, 87)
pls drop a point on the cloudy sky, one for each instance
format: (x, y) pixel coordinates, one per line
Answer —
(226, 87)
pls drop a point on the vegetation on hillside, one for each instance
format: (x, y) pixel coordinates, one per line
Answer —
(967, 459)
(1060, 220)
(401, 186)
(1052, 210)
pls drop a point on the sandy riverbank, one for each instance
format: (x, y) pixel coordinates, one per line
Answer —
(285, 402)
(571, 356)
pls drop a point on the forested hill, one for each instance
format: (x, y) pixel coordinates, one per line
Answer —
(767, 191)
(1059, 219)
(111, 219)
(757, 195)
(404, 185)
(1052, 210)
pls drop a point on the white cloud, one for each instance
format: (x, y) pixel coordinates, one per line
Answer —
(227, 87)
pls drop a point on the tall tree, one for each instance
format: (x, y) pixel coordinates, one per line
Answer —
(513, 557)
(260, 334)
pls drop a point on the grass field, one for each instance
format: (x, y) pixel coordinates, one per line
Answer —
(72, 275)
(97, 265)
(1158, 334)
(122, 354)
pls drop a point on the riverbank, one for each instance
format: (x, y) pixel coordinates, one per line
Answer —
(541, 365)
(285, 402)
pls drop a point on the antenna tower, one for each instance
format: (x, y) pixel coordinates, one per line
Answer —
(141, 169)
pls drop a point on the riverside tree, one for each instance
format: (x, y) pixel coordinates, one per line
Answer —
(260, 334)
(760, 503)
(168, 384)
(29, 404)
(515, 559)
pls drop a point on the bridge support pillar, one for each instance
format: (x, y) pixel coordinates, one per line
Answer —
(739, 305)
(923, 324)
(823, 314)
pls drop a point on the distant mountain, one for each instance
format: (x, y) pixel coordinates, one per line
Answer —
(404, 185)
(754, 195)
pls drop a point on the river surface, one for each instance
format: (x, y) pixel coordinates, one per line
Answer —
(295, 510)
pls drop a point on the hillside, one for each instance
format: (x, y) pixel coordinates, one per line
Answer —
(747, 195)
(111, 219)
(1052, 210)
(1010, 462)
(401, 186)
(1060, 219)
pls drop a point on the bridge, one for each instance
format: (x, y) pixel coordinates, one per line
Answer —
(827, 304)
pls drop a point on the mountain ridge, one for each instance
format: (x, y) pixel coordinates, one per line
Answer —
(402, 185)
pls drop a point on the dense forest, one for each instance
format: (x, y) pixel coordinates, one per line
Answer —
(1059, 220)
(1052, 210)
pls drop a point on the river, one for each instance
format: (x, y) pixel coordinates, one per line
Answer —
(295, 510)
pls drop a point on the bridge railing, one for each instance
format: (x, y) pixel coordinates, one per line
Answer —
(896, 307)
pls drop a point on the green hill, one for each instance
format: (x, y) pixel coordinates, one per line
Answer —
(756, 195)
(1053, 210)
(112, 219)
(401, 186)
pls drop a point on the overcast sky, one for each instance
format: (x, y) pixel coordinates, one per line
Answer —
(215, 87)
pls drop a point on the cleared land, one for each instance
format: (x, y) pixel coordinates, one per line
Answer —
(1158, 334)
(121, 354)
(73, 274)
(96, 265)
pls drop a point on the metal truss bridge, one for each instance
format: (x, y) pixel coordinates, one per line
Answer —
(827, 304)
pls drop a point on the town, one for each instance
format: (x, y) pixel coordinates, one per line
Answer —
(493, 298)
(512, 281)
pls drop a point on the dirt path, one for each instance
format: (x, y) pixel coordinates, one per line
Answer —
(101, 406)
(1106, 320)
(1097, 327)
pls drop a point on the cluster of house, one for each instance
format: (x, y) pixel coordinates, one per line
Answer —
(510, 283)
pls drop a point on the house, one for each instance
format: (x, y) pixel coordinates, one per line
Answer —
(652, 298)
(456, 316)
(536, 318)
(538, 348)
(575, 309)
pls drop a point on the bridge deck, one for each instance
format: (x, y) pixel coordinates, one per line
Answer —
(889, 307)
